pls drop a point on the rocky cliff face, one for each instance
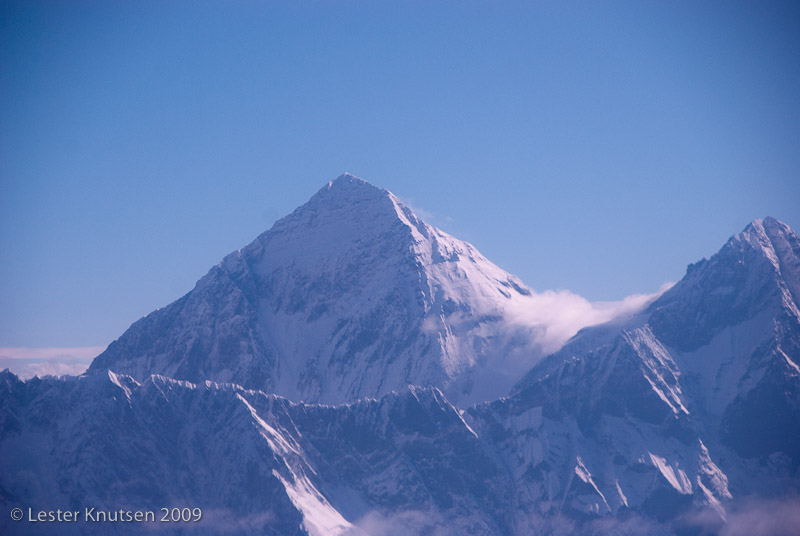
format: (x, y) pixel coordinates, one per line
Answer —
(701, 390)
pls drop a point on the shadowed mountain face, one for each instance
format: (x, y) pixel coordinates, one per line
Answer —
(350, 296)
(669, 421)
(255, 463)
(734, 326)
(712, 365)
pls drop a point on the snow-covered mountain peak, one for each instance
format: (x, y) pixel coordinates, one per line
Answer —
(349, 296)
(756, 269)
(768, 227)
(349, 206)
(348, 188)
(771, 250)
(360, 211)
(348, 181)
(767, 236)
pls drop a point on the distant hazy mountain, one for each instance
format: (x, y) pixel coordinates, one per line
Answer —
(670, 421)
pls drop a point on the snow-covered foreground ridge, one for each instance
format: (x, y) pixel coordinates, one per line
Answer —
(256, 463)
(681, 416)
(353, 296)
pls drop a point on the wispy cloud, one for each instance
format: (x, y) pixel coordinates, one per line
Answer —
(28, 362)
(432, 218)
(435, 523)
(226, 521)
(750, 515)
(72, 352)
(562, 313)
(404, 523)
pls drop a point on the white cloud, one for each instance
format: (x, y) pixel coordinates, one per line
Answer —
(561, 313)
(28, 362)
(431, 218)
(404, 523)
(76, 352)
(777, 516)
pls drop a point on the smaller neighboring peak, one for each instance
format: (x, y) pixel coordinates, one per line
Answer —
(7, 375)
(775, 227)
(765, 224)
(765, 233)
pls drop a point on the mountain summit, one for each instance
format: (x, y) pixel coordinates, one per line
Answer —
(756, 270)
(350, 296)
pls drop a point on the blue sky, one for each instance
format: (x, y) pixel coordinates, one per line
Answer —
(596, 147)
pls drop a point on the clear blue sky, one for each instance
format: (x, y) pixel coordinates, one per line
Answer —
(593, 146)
